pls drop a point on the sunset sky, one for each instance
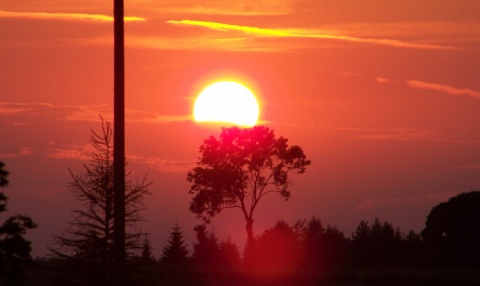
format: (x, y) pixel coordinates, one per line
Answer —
(383, 96)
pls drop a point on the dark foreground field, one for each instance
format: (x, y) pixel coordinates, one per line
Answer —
(157, 274)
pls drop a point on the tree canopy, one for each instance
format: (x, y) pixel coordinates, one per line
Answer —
(3, 176)
(240, 168)
(14, 248)
(452, 230)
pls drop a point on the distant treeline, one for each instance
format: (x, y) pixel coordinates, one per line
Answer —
(308, 246)
(311, 250)
(451, 238)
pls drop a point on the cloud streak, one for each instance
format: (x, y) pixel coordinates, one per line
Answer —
(401, 134)
(65, 16)
(471, 167)
(91, 113)
(304, 34)
(22, 152)
(84, 153)
(443, 88)
(87, 112)
(222, 7)
(393, 202)
(163, 165)
(393, 134)
(74, 152)
(433, 86)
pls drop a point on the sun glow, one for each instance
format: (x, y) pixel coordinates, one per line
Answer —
(226, 101)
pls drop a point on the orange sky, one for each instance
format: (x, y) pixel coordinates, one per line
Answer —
(384, 97)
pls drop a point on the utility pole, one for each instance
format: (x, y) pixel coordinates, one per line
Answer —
(119, 145)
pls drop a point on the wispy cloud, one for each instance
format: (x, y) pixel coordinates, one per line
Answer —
(5, 111)
(84, 153)
(429, 86)
(472, 167)
(389, 202)
(65, 16)
(394, 134)
(207, 42)
(382, 79)
(163, 165)
(443, 88)
(305, 34)
(402, 134)
(22, 152)
(73, 152)
(91, 113)
(222, 7)
(14, 108)
(439, 32)
(383, 134)
(87, 112)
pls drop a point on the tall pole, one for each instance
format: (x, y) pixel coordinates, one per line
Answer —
(119, 145)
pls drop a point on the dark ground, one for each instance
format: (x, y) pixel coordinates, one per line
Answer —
(42, 274)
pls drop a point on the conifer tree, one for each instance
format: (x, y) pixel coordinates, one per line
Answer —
(147, 251)
(88, 241)
(206, 250)
(230, 253)
(176, 250)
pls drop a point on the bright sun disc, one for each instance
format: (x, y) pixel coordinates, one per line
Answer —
(226, 101)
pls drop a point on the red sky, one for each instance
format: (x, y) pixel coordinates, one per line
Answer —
(383, 96)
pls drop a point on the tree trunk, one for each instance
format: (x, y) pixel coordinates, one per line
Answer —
(250, 246)
(249, 228)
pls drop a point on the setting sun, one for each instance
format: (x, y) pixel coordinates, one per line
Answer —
(226, 101)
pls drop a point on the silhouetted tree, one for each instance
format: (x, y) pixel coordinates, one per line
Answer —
(14, 248)
(175, 251)
(413, 252)
(452, 231)
(239, 169)
(312, 235)
(325, 248)
(277, 252)
(88, 240)
(376, 245)
(334, 248)
(3, 176)
(230, 253)
(206, 251)
(147, 251)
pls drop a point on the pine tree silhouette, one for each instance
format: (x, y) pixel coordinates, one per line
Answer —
(176, 250)
(147, 251)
